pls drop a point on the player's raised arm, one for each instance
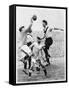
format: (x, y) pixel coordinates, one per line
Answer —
(58, 29)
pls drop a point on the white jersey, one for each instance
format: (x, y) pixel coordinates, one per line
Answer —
(23, 38)
(36, 49)
(25, 49)
(48, 32)
(38, 46)
(23, 35)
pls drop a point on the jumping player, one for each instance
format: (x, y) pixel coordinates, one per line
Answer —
(48, 39)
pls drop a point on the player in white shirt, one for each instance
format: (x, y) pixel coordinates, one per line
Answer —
(23, 36)
(24, 32)
(36, 58)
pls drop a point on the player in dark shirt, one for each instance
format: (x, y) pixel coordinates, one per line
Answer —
(48, 40)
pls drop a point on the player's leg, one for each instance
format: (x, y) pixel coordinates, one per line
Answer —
(25, 61)
(47, 56)
(29, 61)
(43, 68)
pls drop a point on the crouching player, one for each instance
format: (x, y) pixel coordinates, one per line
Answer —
(36, 59)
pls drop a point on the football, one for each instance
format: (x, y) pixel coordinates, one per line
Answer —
(34, 17)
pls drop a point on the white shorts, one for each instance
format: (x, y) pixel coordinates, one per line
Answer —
(34, 63)
(26, 49)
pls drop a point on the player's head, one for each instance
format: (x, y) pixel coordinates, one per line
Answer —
(29, 43)
(34, 17)
(45, 23)
(21, 28)
(38, 40)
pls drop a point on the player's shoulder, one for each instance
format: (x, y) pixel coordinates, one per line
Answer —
(35, 43)
(50, 29)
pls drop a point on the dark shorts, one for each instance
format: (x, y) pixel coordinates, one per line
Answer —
(48, 42)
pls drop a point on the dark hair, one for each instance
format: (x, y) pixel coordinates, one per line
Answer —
(20, 29)
(29, 43)
(45, 22)
(38, 38)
